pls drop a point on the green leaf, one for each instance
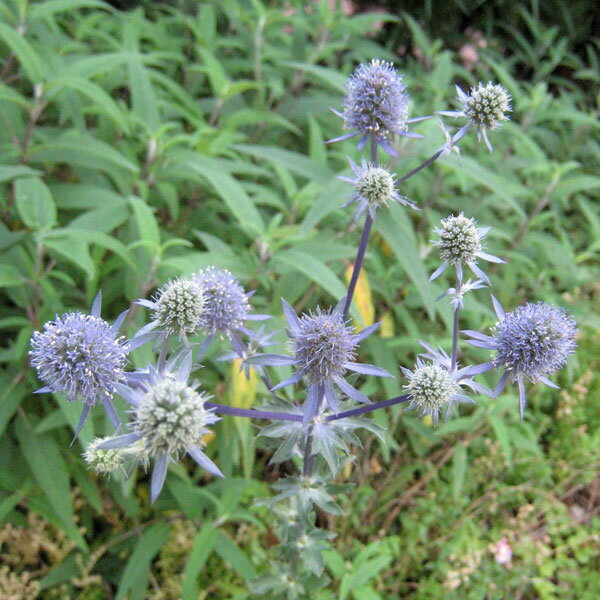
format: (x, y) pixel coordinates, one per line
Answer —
(9, 172)
(10, 397)
(231, 554)
(201, 550)
(145, 221)
(27, 56)
(397, 231)
(330, 199)
(503, 436)
(50, 472)
(232, 193)
(34, 203)
(9, 276)
(459, 470)
(52, 7)
(141, 557)
(145, 104)
(74, 249)
(293, 161)
(314, 269)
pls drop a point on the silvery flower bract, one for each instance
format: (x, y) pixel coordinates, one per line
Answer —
(323, 348)
(460, 244)
(374, 187)
(81, 356)
(169, 420)
(530, 342)
(376, 105)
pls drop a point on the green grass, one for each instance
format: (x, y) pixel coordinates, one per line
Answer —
(138, 146)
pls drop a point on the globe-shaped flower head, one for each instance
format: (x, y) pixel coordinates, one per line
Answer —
(485, 107)
(82, 356)
(322, 347)
(376, 105)
(374, 187)
(103, 462)
(322, 344)
(530, 343)
(434, 387)
(178, 306)
(226, 304)
(170, 419)
(460, 245)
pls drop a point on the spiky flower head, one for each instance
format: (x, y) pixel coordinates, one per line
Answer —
(486, 106)
(103, 462)
(374, 187)
(376, 102)
(460, 240)
(432, 388)
(80, 355)
(534, 340)
(178, 306)
(226, 304)
(322, 345)
(171, 418)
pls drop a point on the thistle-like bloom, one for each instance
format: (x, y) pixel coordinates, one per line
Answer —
(177, 309)
(530, 343)
(374, 187)
(103, 462)
(82, 356)
(323, 347)
(169, 420)
(212, 301)
(376, 105)
(434, 388)
(460, 244)
(485, 107)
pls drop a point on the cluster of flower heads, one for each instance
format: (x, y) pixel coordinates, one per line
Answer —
(85, 358)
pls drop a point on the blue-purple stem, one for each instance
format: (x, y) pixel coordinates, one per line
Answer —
(454, 356)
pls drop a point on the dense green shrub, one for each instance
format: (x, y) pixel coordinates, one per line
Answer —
(136, 146)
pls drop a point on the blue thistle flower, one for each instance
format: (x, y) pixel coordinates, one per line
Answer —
(376, 105)
(374, 187)
(83, 357)
(177, 309)
(435, 388)
(323, 347)
(485, 107)
(169, 420)
(530, 342)
(460, 244)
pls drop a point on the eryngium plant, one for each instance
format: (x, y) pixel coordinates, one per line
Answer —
(83, 357)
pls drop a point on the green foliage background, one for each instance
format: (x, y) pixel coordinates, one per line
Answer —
(136, 146)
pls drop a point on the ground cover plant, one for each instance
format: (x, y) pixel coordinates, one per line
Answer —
(136, 154)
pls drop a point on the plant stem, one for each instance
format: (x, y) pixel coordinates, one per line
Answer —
(366, 408)
(362, 247)
(221, 409)
(454, 356)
